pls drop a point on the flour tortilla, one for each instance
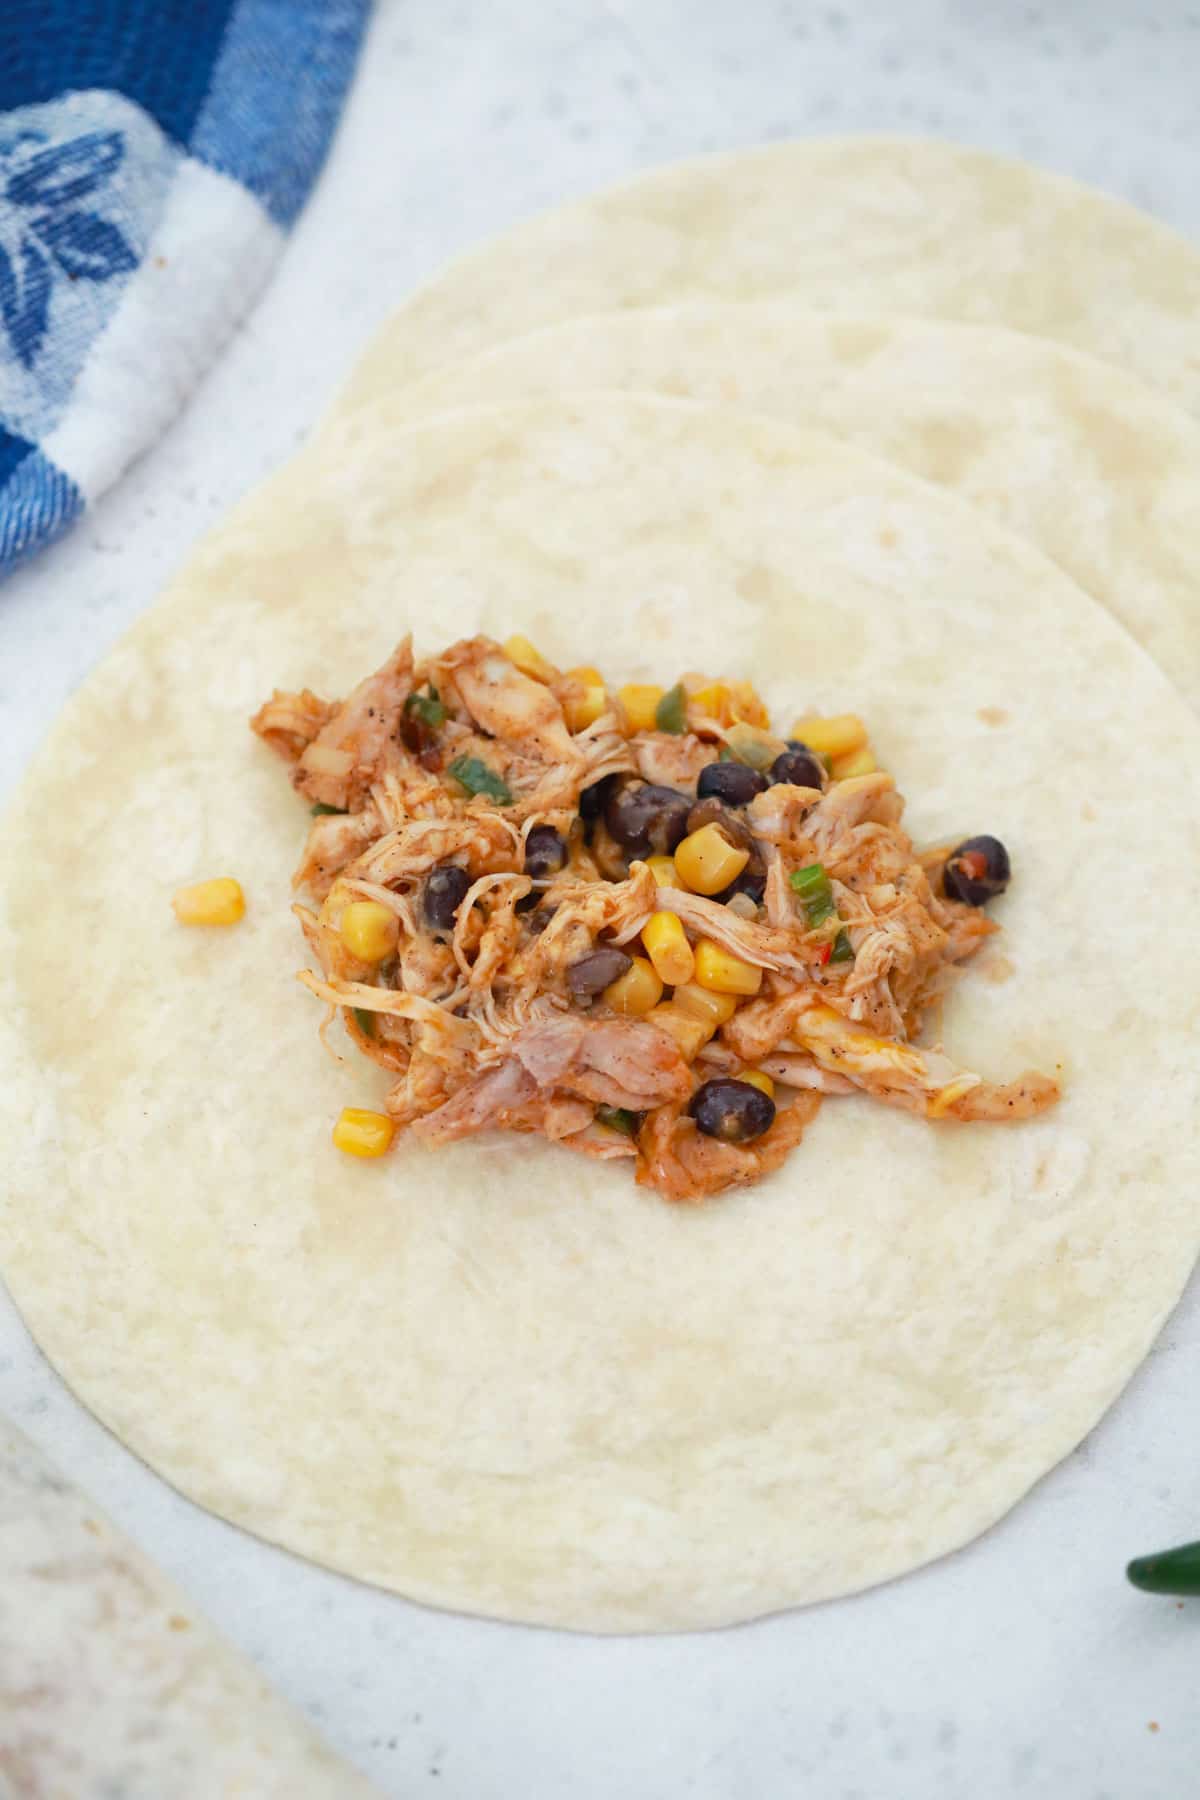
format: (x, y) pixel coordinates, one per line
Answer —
(1097, 470)
(495, 1377)
(846, 225)
(112, 1684)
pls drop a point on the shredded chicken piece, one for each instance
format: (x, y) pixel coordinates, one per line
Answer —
(684, 1165)
(673, 761)
(613, 1062)
(484, 1101)
(601, 1142)
(451, 767)
(924, 1081)
(789, 950)
(290, 722)
(333, 841)
(793, 1069)
(508, 704)
(346, 755)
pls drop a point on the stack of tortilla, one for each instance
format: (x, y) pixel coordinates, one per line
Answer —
(886, 427)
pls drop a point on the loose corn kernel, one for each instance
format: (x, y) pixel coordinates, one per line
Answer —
(716, 968)
(362, 1133)
(664, 871)
(668, 948)
(639, 702)
(528, 658)
(636, 991)
(855, 762)
(704, 1003)
(706, 861)
(689, 1032)
(758, 1079)
(370, 930)
(587, 700)
(218, 902)
(710, 702)
(831, 737)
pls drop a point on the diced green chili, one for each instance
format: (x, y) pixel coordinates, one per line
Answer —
(618, 1118)
(1168, 1571)
(427, 708)
(671, 712)
(816, 894)
(364, 1020)
(320, 809)
(843, 950)
(757, 749)
(477, 778)
(811, 883)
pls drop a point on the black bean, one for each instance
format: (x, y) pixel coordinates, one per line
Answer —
(714, 812)
(733, 782)
(734, 1111)
(646, 819)
(591, 800)
(607, 854)
(750, 881)
(445, 890)
(799, 766)
(977, 871)
(545, 852)
(596, 971)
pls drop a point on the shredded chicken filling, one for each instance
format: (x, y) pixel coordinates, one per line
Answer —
(514, 821)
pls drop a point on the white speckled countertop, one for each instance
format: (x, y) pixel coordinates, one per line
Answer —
(1024, 1666)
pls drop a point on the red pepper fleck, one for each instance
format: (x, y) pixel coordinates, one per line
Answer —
(824, 954)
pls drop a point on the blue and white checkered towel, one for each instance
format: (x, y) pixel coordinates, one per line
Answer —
(153, 154)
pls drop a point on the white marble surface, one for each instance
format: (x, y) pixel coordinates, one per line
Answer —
(1023, 1666)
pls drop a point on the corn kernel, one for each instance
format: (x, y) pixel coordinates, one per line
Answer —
(636, 991)
(362, 1133)
(831, 737)
(664, 871)
(689, 1032)
(668, 948)
(705, 1003)
(745, 706)
(757, 1078)
(218, 902)
(587, 699)
(528, 658)
(369, 930)
(710, 702)
(716, 968)
(639, 702)
(855, 762)
(706, 861)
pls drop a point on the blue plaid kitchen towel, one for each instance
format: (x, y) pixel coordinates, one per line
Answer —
(153, 154)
